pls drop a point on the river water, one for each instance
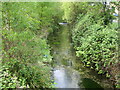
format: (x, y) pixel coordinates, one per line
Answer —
(67, 71)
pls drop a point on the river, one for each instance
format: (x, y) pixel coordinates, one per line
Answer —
(67, 71)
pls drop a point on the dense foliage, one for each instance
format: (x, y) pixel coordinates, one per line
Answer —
(26, 54)
(95, 37)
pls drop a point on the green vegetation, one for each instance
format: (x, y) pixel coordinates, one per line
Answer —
(94, 37)
(26, 54)
(26, 59)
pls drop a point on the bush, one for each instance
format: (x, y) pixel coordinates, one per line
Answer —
(96, 44)
(26, 55)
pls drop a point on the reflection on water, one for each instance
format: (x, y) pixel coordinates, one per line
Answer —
(66, 78)
(64, 75)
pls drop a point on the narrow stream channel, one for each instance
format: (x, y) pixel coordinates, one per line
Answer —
(64, 63)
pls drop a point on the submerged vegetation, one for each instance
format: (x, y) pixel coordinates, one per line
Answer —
(26, 59)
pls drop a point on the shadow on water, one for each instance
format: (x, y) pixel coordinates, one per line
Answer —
(89, 84)
(64, 63)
